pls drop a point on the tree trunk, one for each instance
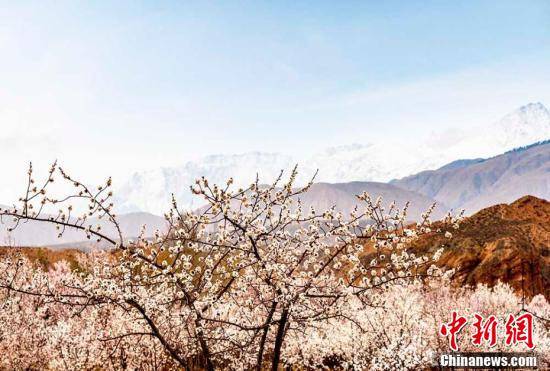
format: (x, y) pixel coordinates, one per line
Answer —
(279, 340)
(259, 359)
(204, 347)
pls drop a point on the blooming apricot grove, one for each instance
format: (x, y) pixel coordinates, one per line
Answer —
(249, 281)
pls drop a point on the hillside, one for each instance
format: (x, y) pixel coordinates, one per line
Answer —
(475, 184)
(505, 242)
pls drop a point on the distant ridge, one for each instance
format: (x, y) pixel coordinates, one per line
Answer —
(523, 148)
(476, 184)
(461, 163)
(465, 162)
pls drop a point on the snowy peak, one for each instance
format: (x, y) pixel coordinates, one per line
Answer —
(151, 190)
(351, 148)
(526, 123)
(534, 109)
(248, 157)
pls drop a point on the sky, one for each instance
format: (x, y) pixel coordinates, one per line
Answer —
(108, 88)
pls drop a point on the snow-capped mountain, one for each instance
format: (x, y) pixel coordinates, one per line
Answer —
(150, 190)
(523, 126)
(526, 125)
(379, 162)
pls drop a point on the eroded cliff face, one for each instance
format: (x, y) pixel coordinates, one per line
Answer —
(510, 243)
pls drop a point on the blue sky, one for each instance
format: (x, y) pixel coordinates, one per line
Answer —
(119, 86)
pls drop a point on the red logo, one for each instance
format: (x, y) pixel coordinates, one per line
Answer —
(520, 330)
(484, 331)
(452, 329)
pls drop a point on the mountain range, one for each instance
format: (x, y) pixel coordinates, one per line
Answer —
(475, 184)
(151, 190)
(471, 184)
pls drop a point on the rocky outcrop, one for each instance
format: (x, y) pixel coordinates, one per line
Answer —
(509, 243)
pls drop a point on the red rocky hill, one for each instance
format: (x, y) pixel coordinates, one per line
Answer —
(506, 242)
